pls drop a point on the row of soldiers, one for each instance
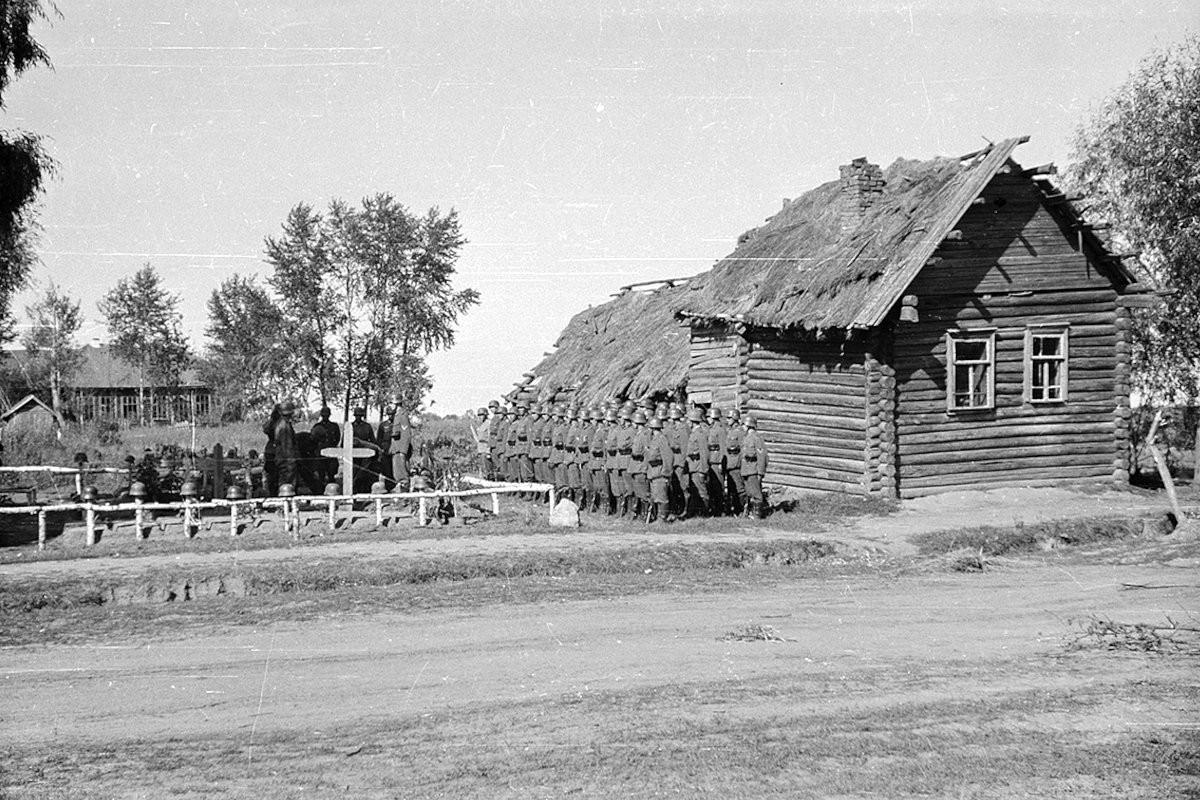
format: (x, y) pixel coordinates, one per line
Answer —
(652, 461)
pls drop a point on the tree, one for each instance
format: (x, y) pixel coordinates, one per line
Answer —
(382, 278)
(307, 300)
(247, 364)
(54, 358)
(144, 321)
(1138, 162)
(24, 163)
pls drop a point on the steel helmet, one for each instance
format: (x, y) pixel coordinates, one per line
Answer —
(639, 417)
(656, 423)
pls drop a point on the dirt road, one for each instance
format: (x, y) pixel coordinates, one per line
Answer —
(542, 700)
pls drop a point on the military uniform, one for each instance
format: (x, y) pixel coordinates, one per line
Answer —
(519, 436)
(754, 467)
(361, 430)
(574, 450)
(696, 453)
(639, 443)
(716, 466)
(498, 436)
(735, 495)
(660, 464)
(676, 433)
(598, 466)
(326, 433)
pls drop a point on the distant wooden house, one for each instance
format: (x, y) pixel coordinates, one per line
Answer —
(942, 324)
(30, 415)
(106, 388)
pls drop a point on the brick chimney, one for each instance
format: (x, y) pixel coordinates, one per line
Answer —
(862, 183)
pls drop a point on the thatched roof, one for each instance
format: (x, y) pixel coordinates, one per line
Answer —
(800, 270)
(629, 347)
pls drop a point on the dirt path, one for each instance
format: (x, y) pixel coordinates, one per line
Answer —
(277, 701)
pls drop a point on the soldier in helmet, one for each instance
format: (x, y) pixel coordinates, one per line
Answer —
(639, 444)
(735, 486)
(286, 451)
(598, 463)
(754, 467)
(495, 424)
(522, 461)
(660, 461)
(479, 432)
(326, 433)
(537, 460)
(383, 435)
(573, 456)
(624, 450)
(612, 461)
(696, 458)
(716, 462)
(512, 467)
(399, 450)
(362, 431)
(676, 432)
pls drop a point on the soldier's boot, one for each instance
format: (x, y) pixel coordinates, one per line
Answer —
(637, 508)
(664, 513)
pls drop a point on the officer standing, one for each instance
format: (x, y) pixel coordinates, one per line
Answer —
(612, 459)
(480, 429)
(400, 448)
(676, 432)
(639, 444)
(735, 486)
(598, 463)
(754, 467)
(574, 456)
(383, 435)
(696, 451)
(520, 432)
(716, 463)
(286, 451)
(326, 433)
(660, 462)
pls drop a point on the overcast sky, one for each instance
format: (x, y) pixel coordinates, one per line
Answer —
(585, 145)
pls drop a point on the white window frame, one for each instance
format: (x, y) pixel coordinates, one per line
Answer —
(953, 338)
(1063, 333)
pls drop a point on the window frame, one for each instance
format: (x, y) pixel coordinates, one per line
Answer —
(1063, 332)
(953, 338)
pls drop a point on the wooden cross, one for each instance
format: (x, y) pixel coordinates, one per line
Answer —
(347, 453)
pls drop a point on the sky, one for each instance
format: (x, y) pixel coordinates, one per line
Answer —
(584, 144)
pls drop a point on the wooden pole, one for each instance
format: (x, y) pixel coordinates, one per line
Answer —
(332, 515)
(139, 519)
(233, 519)
(41, 530)
(379, 513)
(496, 503)
(90, 517)
(422, 508)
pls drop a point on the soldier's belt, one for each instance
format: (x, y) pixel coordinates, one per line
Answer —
(734, 450)
(694, 456)
(676, 450)
(656, 462)
(714, 448)
(637, 457)
(625, 451)
(749, 458)
(522, 438)
(597, 453)
(612, 452)
(537, 442)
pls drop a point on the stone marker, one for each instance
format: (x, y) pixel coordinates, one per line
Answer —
(564, 515)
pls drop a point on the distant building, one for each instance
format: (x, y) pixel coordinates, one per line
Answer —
(31, 415)
(106, 388)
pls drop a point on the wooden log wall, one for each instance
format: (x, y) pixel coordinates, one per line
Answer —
(809, 398)
(1018, 264)
(880, 444)
(715, 364)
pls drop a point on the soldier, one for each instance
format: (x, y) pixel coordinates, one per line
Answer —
(479, 432)
(716, 462)
(401, 446)
(498, 434)
(286, 451)
(362, 431)
(535, 443)
(383, 436)
(660, 462)
(639, 444)
(612, 459)
(326, 433)
(696, 452)
(598, 462)
(735, 494)
(573, 456)
(521, 455)
(493, 440)
(624, 449)
(270, 464)
(512, 468)
(676, 432)
(754, 467)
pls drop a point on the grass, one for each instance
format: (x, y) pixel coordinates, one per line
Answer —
(991, 541)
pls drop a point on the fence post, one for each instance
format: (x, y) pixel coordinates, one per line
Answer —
(42, 529)
(91, 524)
(496, 503)
(233, 523)
(378, 513)
(422, 507)
(332, 515)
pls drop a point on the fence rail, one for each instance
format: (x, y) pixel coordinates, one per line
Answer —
(289, 507)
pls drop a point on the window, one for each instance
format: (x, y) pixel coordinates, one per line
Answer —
(1046, 365)
(970, 370)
